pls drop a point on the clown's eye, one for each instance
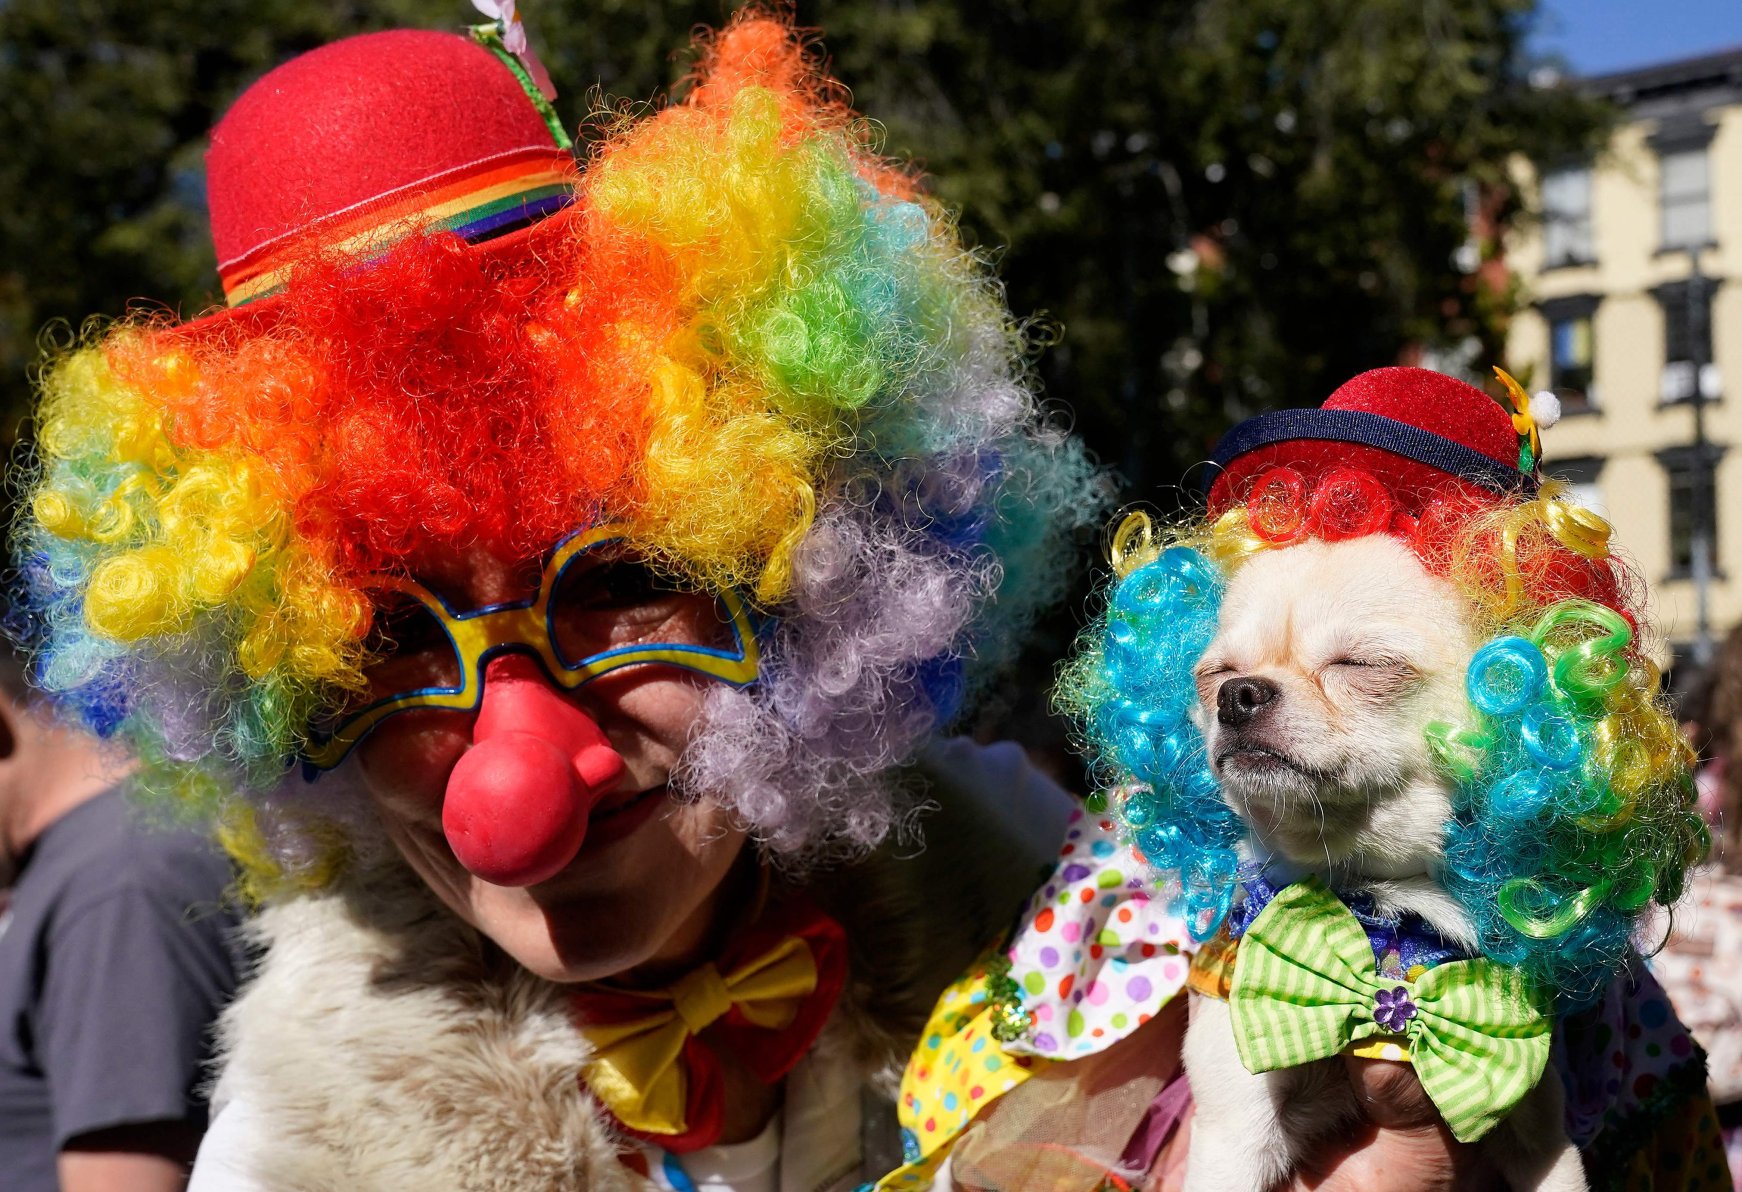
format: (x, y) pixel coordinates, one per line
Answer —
(624, 585)
(606, 603)
(411, 651)
(405, 626)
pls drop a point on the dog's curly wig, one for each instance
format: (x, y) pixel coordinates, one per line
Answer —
(1574, 806)
(752, 341)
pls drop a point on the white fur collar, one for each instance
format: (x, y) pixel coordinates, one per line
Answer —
(385, 1055)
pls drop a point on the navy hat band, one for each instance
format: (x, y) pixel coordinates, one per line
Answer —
(1370, 430)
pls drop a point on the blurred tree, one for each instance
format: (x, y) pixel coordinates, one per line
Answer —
(1219, 205)
(104, 108)
(1226, 205)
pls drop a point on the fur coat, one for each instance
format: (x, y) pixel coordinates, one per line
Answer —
(382, 1045)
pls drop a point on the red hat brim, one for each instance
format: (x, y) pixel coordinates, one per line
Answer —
(262, 313)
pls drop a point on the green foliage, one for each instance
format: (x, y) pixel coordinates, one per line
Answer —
(104, 108)
(1216, 205)
(1226, 205)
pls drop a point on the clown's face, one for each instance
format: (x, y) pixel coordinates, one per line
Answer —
(643, 891)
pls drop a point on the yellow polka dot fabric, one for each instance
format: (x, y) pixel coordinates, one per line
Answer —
(957, 1071)
(1094, 957)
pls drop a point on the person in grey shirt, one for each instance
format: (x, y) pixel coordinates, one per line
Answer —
(115, 958)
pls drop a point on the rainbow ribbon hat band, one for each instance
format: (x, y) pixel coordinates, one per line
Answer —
(478, 202)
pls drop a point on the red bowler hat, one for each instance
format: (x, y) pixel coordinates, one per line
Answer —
(1419, 433)
(361, 143)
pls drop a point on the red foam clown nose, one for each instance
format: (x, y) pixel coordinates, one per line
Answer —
(518, 801)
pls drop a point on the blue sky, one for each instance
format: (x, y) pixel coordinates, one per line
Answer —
(1596, 36)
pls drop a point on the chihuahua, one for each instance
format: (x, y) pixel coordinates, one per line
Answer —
(1329, 660)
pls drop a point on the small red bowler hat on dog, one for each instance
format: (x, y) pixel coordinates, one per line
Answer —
(358, 144)
(1420, 433)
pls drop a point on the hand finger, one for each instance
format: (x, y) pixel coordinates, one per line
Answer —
(1390, 1094)
(1421, 1159)
(1403, 1145)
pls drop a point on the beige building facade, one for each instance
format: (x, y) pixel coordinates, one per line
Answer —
(1621, 327)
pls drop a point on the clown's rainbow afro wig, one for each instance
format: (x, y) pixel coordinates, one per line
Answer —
(1573, 806)
(751, 341)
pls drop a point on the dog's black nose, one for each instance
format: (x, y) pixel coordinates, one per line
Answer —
(1241, 700)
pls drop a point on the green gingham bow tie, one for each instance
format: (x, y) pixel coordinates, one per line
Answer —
(1306, 987)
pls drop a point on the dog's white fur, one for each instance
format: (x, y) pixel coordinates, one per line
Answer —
(1333, 776)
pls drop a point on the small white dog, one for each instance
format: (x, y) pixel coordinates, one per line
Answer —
(1328, 661)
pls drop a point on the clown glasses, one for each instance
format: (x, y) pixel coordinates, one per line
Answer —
(571, 626)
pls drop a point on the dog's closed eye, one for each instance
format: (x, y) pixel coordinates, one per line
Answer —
(1378, 662)
(1374, 676)
(1208, 674)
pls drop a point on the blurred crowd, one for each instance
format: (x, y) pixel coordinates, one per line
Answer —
(1701, 960)
(118, 949)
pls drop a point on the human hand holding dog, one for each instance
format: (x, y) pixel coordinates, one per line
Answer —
(1403, 1146)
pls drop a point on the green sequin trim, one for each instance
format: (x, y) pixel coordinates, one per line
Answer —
(1004, 998)
(490, 37)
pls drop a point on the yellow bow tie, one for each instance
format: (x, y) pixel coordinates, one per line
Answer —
(657, 1078)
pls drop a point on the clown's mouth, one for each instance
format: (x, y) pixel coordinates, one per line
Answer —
(615, 820)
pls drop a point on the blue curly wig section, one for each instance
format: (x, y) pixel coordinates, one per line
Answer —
(1551, 850)
(1135, 684)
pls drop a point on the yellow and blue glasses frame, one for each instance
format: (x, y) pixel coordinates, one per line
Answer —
(525, 625)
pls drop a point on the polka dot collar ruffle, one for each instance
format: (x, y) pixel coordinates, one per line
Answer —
(1098, 952)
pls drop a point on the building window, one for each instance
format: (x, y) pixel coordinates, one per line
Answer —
(1572, 351)
(1566, 218)
(1692, 504)
(1684, 197)
(1579, 474)
(1687, 340)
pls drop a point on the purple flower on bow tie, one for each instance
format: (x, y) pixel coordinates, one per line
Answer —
(1393, 1009)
